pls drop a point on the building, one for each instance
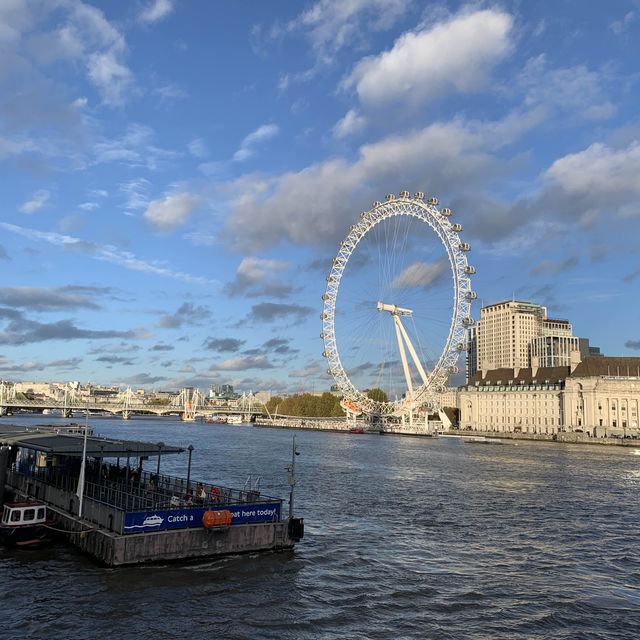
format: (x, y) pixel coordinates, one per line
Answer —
(599, 396)
(516, 334)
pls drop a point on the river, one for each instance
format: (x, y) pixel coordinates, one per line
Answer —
(405, 537)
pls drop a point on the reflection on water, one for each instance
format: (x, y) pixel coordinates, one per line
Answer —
(405, 538)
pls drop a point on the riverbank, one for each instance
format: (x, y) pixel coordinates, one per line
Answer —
(341, 425)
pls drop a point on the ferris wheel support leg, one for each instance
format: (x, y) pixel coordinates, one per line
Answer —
(403, 354)
(412, 351)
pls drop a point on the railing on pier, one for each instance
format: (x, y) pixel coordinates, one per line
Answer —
(110, 492)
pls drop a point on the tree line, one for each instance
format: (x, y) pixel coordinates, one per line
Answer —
(309, 405)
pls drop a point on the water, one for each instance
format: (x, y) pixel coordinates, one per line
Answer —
(405, 538)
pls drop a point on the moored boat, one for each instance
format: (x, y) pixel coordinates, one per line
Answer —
(24, 524)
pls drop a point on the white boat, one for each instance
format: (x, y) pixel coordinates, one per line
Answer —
(234, 419)
(24, 524)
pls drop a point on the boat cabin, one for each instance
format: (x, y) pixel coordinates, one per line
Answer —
(25, 513)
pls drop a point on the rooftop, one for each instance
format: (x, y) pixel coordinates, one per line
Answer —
(48, 440)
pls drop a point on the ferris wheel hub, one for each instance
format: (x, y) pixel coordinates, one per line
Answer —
(394, 309)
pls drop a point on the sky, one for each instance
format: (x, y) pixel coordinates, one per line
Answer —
(175, 177)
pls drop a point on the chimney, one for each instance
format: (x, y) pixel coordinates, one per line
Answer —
(574, 361)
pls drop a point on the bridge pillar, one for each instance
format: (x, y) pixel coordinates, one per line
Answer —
(126, 415)
(66, 413)
(3, 411)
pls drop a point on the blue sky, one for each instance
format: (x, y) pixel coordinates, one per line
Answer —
(176, 176)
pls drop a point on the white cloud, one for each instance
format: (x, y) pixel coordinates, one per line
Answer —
(599, 179)
(420, 274)
(198, 148)
(37, 202)
(88, 206)
(573, 89)
(351, 124)
(259, 277)
(171, 211)
(317, 203)
(456, 55)
(155, 11)
(134, 148)
(243, 363)
(334, 24)
(248, 145)
(105, 253)
(110, 76)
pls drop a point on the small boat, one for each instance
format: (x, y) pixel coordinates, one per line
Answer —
(357, 430)
(24, 524)
(234, 419)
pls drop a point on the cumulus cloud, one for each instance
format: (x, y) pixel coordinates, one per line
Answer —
(351, 124)
(171, 211)
(421, 274)
(281, 346)
(595, 180)
(187, 314)
(270, 311)
(452, 56)
(248, 146)
(448, 154)
(142, 379)
(222, 345)
(259, 277)
(161, 347)
(38, 200)
(8, 366)
(155, 11)
(632, 344)
(20, 330)
(124, 361)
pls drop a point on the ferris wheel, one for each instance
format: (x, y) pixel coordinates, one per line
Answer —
(397, 307)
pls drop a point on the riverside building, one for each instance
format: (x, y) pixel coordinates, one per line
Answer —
(598, 396)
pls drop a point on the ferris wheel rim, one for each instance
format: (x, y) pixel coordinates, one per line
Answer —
(456, 250)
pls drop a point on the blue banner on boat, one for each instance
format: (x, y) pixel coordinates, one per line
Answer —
(162, 519)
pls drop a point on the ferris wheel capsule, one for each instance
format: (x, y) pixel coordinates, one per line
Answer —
(418, 195)
(389, 197)
(433, 202)
(404, 194)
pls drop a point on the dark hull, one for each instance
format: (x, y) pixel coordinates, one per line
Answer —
(25, 537)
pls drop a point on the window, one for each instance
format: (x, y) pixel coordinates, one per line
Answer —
(40, 513)
(15, 516)
(29, 514)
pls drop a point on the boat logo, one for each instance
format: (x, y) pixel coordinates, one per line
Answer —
(152, 521)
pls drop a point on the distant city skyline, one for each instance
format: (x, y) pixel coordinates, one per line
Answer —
(177, 176)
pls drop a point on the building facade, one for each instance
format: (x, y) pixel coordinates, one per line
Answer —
(599, 396)
(516, 334)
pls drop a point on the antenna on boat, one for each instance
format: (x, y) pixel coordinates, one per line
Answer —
(292, 474)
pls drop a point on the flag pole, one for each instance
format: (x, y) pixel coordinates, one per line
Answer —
(80, 491)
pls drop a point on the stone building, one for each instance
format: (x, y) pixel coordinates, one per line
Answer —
(599, 396)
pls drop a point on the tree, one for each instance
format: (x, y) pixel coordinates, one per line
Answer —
(378, 395)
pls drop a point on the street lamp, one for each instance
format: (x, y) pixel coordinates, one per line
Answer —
(190, 449)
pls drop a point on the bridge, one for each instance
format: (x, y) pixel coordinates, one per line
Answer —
(190, 404)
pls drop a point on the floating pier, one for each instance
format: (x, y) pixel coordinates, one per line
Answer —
(120, 513)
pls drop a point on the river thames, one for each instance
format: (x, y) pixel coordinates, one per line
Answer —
(404, 538)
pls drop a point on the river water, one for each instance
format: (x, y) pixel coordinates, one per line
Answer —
(404, 538)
